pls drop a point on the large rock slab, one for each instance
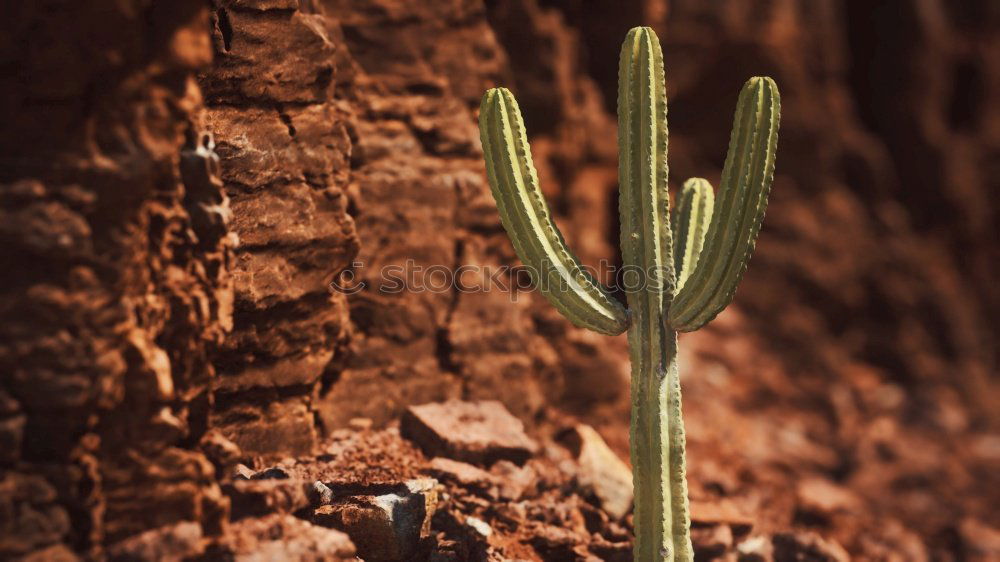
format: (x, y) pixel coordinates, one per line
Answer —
(388, 526)
(285, 537)
(481, 432)
(601, 470)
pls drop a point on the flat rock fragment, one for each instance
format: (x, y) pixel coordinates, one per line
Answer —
(601, 470)
(481, 432)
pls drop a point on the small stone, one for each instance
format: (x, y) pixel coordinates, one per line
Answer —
(479, 526)
(463, 474)
(823, 497)
(609, 551)
(54, 553)
(511, 514)
(387, 526)
(286, 537)
(242, 472)
(480, 432)
(261, 497)
(981, 540)
(601, 470)
(219, 449)
(755, 549)
(554, 542)
(360, 424)
(170, 542)
(720, 512)
(794, 547)
(11, 437)
(320, 493)
(273, 473)
(513, 480)
(448, 551)
(711, 542)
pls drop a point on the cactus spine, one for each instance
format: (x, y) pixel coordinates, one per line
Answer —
(676, 279)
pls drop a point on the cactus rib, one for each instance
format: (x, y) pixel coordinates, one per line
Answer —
(746, 181)
(691, 220)
(526, 218)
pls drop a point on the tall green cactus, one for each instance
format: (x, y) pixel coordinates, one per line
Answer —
(676, 280)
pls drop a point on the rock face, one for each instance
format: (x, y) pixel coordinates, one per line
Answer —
(284, 146)
(117, 278)
(181, 183)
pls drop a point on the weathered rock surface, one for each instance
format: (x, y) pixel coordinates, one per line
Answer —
(284, 147)
(711, 542)
(482, 432)
(284, 537)
(172, 542)
(720, 512)
(260, 497)
(792, 547)
(388, 526)
(113, 223)
(601, 470)
(463, 474)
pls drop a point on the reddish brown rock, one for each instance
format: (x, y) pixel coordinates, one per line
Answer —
(254, 498)
(515, 481)
(284, 537)
(610, 551)
(757, 548)
(242, 472)
(980, 541)
(720, 512)
(173, 542)
(223, 453)
(55, 553)
(114, 218)
(39, 521)
(601, 470)
(554, 542)
(384, 527)
(464, 474)
(267, 423)
(284, 150)
(795, 547)
(712, 541)
(820, 496)
(476, 432)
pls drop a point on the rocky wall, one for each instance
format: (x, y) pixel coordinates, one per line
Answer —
(116, 285)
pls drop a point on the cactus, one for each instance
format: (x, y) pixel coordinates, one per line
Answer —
(688, 273)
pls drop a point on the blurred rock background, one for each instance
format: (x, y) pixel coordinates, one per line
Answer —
(182, 180)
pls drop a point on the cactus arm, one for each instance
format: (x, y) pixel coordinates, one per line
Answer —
(526, 218)
(739, 210)
(657, 437)
(691, 220)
